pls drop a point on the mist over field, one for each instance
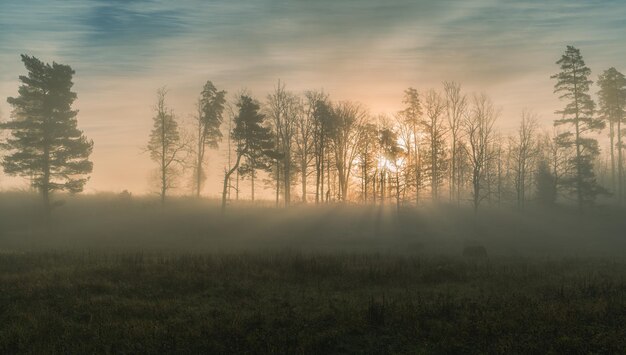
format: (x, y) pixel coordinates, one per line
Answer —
(312, 177)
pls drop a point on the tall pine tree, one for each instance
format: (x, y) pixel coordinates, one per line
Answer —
(252, 137)
(612, 100)
(210, 117)
(573, 86)
(45, 144)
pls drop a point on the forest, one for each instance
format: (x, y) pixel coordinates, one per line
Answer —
(444, 146)
(335, 231)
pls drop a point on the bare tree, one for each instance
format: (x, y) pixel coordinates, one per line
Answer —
(434, 107)
(305, 137)
(346, 132)
(524, 151)
(166, 146)
(478, 126)
(283, 108)
(456, 109)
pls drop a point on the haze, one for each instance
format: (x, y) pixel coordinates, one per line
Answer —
(367, 51)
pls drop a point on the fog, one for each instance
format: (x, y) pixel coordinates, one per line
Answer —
(120, 223)
(312, 177)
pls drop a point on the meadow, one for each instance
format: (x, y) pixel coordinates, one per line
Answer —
(114, 274)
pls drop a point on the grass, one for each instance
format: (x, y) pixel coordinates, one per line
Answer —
(129, 276)
(292, 302)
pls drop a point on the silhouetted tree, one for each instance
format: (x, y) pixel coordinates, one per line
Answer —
(209, 119)
(305, 137)
(612, 102)
(367, 157)
(524, 151)
(284, 107)
(573, 86)
(345, 136)
(546, 185)
(411, 116)
(478, 127)
(392, 154)
(165, 146)
(45, 143)
(434, 108)
(456, 109)
(250, 135)
(322, 115)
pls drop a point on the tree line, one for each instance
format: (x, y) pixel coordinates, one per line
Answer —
(443, 146)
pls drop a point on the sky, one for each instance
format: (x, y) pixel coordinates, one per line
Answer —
(362, 50)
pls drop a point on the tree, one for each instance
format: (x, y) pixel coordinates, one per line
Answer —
(392, 154)
(250, 135)
(434, 106)
(345, 136)
(283, 107)
(165, 146)
(412, 118)
(546, 187)
(45, 143)
(573, 86)
(209, 119)
(322, 116)
(367, 157)
(524, 150)
(612, 102)
(456, 109)
(478, 126)
(304, 137)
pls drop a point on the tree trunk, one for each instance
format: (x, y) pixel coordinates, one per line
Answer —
(277, 182)
(200, 158)
(304, 173)
(287, 177)
(620, 171)
(612, 140)
(163, 167)
(226, 178)
(252, 181)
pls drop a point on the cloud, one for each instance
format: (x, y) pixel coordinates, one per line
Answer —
(366, 50)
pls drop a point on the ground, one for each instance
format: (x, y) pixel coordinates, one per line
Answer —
(109, 276)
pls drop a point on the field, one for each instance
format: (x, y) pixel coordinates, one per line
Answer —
(113, 275)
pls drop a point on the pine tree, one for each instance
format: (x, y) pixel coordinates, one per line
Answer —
(252, 137)
(209, 119)
(573, 86)
(45, 143)
(612, 100)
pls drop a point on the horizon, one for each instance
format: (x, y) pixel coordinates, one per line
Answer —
(123, 52)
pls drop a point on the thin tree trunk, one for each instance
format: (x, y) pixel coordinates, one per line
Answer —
(253, 172)
(163, 167)
(287, 177)
(620, 170)
(612, 140)
(45, 186)
(304, 172)
(277, 182)
(200, 158)
(226, 177)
